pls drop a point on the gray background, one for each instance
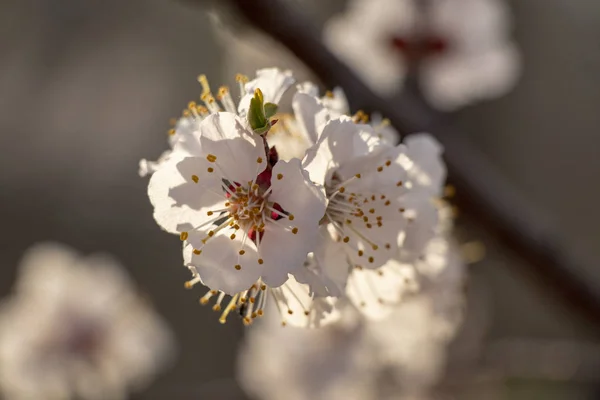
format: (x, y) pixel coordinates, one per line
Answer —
(87, 88)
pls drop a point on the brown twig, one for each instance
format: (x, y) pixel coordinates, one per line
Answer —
(484, 193)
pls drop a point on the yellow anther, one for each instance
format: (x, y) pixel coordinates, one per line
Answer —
(279, 176)
(242, 252)
(204, 82)
(223, 90)
(241, 78)
(360, 253)
(183, 236)
(379, 169)
(209, 213)
(171, 132)
(238, 267)
(197, 252)
(210, 169)
(211, 158)
(399, 183)
(259, 160)
(232, 236)
(388, 163)
(195, 178)
(346, 239)
(357, 176)
(449, 191)
(371, 259)
(260, 261)
(291, 217)
(211, 233)
(295, 230)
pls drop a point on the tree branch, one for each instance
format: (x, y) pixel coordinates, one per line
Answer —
(483, 192)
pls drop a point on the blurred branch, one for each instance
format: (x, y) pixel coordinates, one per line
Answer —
(483, 192)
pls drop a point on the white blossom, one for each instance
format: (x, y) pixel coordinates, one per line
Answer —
(74, 327)
(378, 195)
(460, 49)
(241, 218)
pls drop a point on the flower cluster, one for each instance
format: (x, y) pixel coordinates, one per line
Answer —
(304, 208)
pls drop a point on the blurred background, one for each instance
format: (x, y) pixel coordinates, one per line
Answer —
(87, 88)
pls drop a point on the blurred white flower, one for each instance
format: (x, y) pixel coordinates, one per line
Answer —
(399, 357)
(459, 48)
(75, 328)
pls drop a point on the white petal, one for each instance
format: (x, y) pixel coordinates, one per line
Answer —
(311, 116)
(460, 79)
(426, 169)
(421, 226)
(309, 88)
(240, 154)
(216, 265)
(272, 82)
(296, 194)
(336, 103)
(186, 137)
(342, 140)
(384, 130)
(177, 200)
(50, 260)
(306, 312)
(380, 172)
(372, 243)
(283, 251)
(147, 167)
(288, 139)
(375, 292)
(332, 265)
